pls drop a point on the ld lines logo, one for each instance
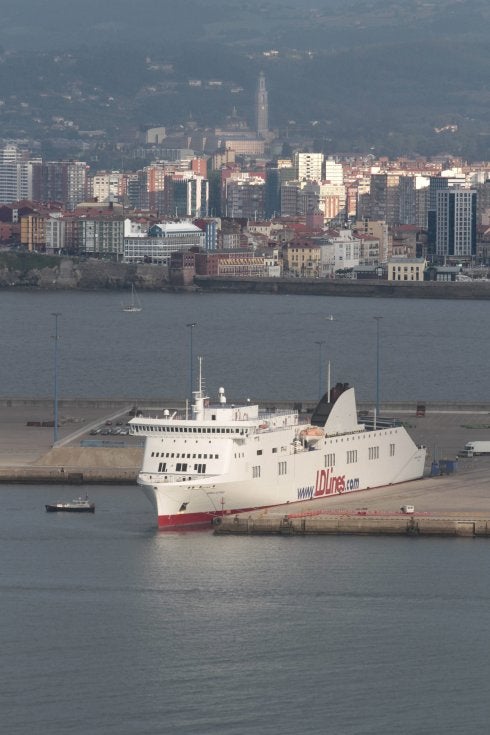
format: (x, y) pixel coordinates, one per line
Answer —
(327, 484)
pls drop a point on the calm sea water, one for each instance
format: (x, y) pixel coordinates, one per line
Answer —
(260, 346)
(109, 626)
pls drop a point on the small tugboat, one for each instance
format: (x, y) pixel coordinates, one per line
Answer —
(79, 505)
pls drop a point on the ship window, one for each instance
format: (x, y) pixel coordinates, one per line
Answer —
(392, 450)
(183, 507)
(153, 454)
(256, 471)
(259, 451)
(213, 417)
(352, 456)
(162, 467)
(283, 468)
(373, 452)
(172, 455)
(330, 460)
(199, 456)
(274, 450)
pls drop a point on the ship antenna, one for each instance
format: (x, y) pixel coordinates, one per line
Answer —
(200, 374)
(198, 407)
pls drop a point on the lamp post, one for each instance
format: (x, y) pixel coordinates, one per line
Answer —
(56, 314)
(329, 318)
(320, 344)
(191, 358)
(378, 318)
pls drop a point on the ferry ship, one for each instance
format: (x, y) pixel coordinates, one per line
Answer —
(225, 458)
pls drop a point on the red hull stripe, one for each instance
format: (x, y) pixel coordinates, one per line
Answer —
(181, 520)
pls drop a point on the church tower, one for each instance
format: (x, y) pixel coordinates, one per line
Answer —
(261, 107)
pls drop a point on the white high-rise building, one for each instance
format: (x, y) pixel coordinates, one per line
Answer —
(308, 166)
(334, 172)
(107, 185)
(17, 174)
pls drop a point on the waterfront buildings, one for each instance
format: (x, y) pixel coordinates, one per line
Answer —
(406, 269)
(161, 241)
(302, 259)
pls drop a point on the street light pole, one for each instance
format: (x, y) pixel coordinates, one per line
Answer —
(55, 407)
(191, 358)
(378, 318)
(329, 318)
(320, 344)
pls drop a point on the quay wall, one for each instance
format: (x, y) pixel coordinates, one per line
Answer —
(352, 525)
(326, 287)
(36, 475)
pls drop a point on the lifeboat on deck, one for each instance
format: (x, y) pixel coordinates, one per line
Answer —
(311, 434)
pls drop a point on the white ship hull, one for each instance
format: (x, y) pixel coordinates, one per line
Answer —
(228, 460)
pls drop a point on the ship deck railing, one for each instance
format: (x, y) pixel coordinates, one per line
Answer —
(265, 415)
